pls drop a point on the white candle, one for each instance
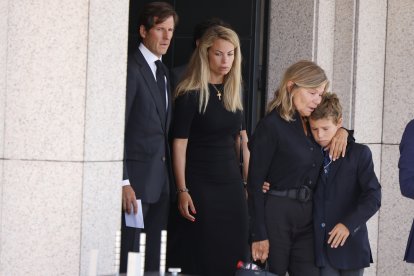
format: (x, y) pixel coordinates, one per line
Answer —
(134, 264)
(142, 244)
(117, 251)
(93, 262)
(163, 251)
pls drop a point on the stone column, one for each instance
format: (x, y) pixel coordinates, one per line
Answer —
(65, 71)
(367, 104)
(343, 58)
(397, 211)
(291, 37)
(3, 61)
(325, 41)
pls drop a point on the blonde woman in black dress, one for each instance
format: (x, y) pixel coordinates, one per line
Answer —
(206, 130)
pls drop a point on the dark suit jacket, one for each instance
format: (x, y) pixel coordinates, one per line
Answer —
(406, 166)
(350, 195)
(147, 160)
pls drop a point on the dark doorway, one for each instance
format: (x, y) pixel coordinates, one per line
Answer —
(247, 17)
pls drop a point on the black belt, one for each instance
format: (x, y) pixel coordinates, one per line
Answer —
(302, 194)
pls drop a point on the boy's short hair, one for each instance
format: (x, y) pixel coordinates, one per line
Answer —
(329, 108)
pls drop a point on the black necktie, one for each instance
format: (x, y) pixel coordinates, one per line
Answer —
(161, 80)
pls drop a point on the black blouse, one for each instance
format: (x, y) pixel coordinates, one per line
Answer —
(281, 154)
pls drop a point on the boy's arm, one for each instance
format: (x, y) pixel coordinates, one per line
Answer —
(370, 198)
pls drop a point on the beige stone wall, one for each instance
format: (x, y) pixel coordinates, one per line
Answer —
(3, 61)
(398, 109)
(62, 97)
(291, 33)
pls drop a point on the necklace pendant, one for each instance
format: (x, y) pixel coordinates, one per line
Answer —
(218, 91)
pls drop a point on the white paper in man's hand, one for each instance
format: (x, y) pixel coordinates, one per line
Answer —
(135, 220)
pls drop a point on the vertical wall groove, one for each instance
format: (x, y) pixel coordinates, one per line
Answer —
(4, 8)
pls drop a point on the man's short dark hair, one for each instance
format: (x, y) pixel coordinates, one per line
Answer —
(155, 13)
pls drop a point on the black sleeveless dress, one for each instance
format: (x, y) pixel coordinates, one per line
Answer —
(218, 238)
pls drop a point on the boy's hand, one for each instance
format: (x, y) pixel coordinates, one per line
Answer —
(265, 187)
(338, 235)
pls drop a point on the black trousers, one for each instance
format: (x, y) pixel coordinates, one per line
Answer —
(155, 220)
(290, 232)
(328, 270)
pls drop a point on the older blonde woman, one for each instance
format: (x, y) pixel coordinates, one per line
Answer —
(284, 154)
(207, 125)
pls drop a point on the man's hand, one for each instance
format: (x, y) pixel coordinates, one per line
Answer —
(338, 235)
(337, 146)
(260, 250)
(128, 198)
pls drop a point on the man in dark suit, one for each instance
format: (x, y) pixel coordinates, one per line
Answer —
(406, 166)
(147, 161)
(347, 195)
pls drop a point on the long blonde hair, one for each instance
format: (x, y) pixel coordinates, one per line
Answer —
(303, 73)
(197, 75)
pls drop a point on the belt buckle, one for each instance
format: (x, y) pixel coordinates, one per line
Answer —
(304, 193)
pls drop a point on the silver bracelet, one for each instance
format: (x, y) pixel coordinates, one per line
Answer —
(185, 190)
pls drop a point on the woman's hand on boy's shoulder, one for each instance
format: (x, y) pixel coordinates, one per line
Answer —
(337, 146)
